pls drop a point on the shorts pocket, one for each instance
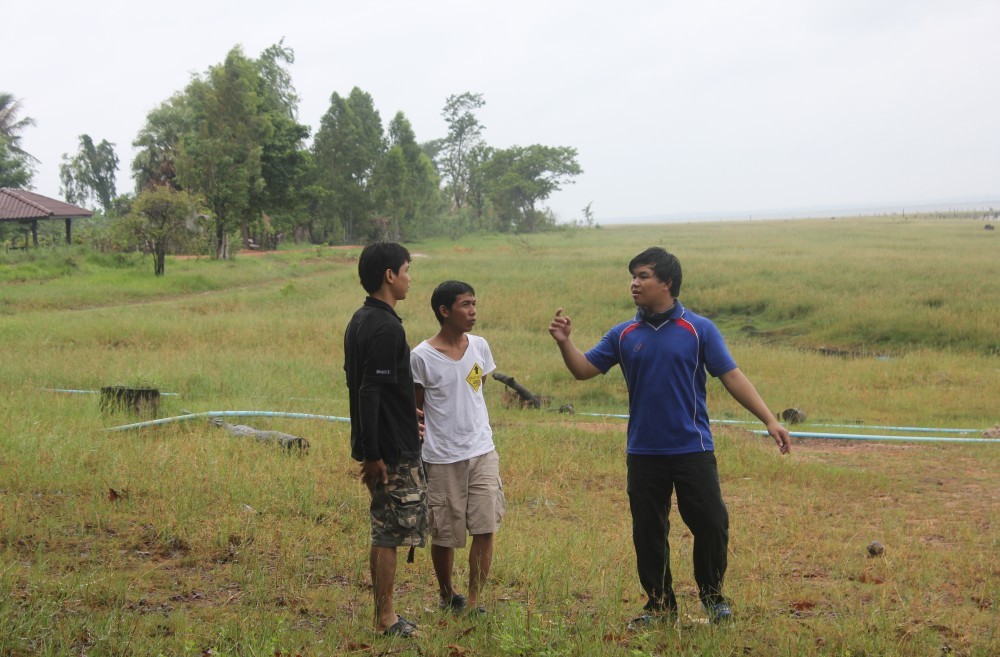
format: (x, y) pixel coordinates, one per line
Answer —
(409, 506)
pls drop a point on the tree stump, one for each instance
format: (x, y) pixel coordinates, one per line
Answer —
(141, 402)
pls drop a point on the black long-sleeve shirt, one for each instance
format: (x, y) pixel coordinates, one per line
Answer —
(380, 385)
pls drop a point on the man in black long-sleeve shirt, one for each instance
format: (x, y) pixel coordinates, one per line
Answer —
(385, 435)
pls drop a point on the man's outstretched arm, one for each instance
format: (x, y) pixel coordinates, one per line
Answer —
(742, 390)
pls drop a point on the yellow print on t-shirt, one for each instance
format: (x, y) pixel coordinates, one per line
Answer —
(475, 378)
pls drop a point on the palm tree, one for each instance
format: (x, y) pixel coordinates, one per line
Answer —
(11, 126)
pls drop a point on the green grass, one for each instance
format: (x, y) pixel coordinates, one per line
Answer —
(211, 544)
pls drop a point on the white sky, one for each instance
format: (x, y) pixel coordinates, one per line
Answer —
(675, 107)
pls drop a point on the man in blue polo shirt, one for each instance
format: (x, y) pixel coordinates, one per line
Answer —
(665, 354)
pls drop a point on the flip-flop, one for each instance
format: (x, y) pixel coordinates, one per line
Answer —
(401, 628)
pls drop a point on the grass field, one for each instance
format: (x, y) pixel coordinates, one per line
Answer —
(182, 539)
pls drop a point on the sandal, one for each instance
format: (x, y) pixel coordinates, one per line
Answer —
(456, 604)
(401, 628)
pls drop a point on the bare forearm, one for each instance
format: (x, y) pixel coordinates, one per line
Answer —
(576, 362)
(743, 391)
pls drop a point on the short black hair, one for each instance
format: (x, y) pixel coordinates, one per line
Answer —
(375, 259)
(445, 295)
(665, 266)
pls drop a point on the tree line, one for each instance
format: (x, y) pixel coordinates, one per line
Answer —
(227, 160)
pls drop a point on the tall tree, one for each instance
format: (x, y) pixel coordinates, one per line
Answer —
(283, 158)
(477, 194)
(245, 112)
(464, 133)
(90, 174)
(158, 215)
(16, 170)
(221, 157)
(158, 143)
(405, 182)
(11, 125)
(348, 146)
(16, 166)
(523, 176)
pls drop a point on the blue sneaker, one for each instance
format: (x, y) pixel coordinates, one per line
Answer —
(666, 616)
(719, 613)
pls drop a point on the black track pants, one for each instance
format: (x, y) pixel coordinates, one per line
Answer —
(651, 482)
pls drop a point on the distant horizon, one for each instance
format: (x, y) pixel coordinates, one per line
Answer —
(984, 203)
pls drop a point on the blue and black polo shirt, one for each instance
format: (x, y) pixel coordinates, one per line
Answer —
(665, 371)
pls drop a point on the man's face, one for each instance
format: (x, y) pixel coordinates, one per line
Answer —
(647, 290)
(462, 314)
(400, 283)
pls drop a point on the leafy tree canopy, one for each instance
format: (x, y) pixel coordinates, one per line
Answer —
(232, 136)
(521, 177)
(464, 133)
(158, 143)
(90, 174)
(16, 170)
(348, 147)
(12, 125)
(157, 216)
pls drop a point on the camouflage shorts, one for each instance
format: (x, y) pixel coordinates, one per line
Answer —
(399, 507)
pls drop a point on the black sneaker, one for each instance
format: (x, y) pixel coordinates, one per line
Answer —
(653, 617)
(719, 613)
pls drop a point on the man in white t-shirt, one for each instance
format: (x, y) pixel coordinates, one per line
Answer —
(464, 491)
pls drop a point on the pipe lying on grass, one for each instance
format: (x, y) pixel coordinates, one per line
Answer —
(905, 439)
(854, 436)
(192, 416)
(97, 392)
(333, 418)
(864, 426)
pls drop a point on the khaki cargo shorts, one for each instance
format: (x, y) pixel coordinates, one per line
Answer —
(464, 497)
(399, 507)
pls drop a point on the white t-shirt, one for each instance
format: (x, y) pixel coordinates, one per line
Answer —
(456, 424)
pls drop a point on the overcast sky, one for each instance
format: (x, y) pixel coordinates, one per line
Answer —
(675, 107)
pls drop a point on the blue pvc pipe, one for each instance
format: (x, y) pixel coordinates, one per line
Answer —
(863, 426)
(852, 436)
(860, 436)
(192, 416)
(94, 392)
(333, 418)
